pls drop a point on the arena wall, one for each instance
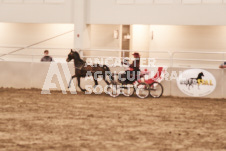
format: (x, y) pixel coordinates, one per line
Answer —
(144, 38)
(36, 35)
(36, 11)
(33, 75)
(101, 37)
(157, 12)
(188, 38)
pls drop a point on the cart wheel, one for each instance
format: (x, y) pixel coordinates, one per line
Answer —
(142, 90)
(128, 90)
(113, 90)
(156, 90)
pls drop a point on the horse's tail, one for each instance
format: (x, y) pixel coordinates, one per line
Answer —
(106, 68)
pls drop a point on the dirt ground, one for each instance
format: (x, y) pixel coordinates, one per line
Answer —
(31, 121)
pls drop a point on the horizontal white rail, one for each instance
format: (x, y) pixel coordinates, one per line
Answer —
(198, 52)
(119, 50)
(204, 60)
(169, 56)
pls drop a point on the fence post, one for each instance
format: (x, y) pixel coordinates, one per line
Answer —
(171, 66)
(222, 80)
(123, 54)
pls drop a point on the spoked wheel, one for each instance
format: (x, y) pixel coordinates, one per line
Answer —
(128, 90)
(113, 90)
(156, 90)
(142, 90)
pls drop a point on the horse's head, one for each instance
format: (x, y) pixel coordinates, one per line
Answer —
(72, 55)
(200, 75)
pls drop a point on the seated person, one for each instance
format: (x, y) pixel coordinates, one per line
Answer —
(46, 57)
(135, 66)
(125, 62)
(223, 65)
(132, 75)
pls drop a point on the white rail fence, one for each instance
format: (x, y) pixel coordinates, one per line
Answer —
(179, 60)
(190, 59)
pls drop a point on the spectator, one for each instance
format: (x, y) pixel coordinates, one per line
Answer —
(46, 57)
(223, 65)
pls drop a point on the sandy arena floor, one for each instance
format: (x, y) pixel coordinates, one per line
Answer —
(31, 121)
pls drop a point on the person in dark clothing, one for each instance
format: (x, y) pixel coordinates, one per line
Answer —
(135, 66)
(133, 74)
(223, 65)
(46, 57)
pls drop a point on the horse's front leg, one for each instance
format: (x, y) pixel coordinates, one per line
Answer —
(69, 85)
(78, 79)
(95, 81)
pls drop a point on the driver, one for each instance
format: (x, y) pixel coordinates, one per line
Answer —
(135, 66)
(131, 75)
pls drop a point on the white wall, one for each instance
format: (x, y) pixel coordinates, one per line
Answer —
(33, 75)
(167, 12)
(56, 36)
(36, 11)
(158, 40)
(165, 38)
(173, 12)
(102, 37)
(38, 35)
(140, 39)
(188, 38)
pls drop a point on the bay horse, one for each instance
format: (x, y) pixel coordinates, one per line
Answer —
(82, 69)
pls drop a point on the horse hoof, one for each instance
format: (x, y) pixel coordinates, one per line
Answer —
(83, 90)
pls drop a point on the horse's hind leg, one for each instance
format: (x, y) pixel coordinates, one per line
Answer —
(69, 85)
(78, 79)
(104, 77)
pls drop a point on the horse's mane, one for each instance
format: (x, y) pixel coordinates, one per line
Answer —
(200, 75)
(77, 55)
(78, 62)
